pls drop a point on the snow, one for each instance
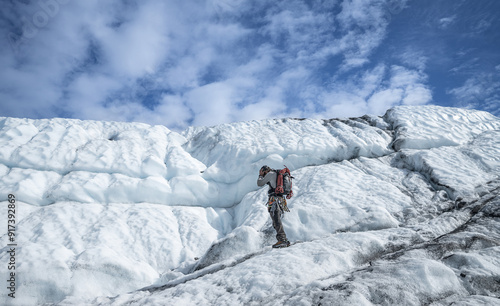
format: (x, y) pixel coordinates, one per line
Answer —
(458, 170)
(434, 126)
(400, 209)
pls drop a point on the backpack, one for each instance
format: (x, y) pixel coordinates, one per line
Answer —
(284, 183)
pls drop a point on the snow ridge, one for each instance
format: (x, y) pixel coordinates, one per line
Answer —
(106, 208)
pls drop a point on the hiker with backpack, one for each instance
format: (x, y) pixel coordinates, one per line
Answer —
(280, 185)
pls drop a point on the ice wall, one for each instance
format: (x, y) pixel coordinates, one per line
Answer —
(106, 207)
(111, 162)
(433, 126)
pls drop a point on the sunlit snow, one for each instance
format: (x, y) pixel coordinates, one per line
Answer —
(394, 210)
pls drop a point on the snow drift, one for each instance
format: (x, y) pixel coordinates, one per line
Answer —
(400, 209)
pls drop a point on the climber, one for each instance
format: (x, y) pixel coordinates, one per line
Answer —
(276, 204)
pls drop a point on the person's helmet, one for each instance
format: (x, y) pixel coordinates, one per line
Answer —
(265, 168)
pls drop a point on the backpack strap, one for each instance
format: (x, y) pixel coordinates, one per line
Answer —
(279, 183)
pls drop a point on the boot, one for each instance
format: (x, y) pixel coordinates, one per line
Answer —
(281, 244)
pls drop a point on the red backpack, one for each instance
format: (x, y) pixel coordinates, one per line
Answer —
(284, 183)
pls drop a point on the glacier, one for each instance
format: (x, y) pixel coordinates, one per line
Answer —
(391, 210)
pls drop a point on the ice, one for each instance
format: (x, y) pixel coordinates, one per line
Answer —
(434, 126)
(400, 209)
(247, 283)
(360, 202)
(458, 170)
(405, 282)
(15, 133)
(483, 262)
(233, 153)
(75, 249)
(29, 185)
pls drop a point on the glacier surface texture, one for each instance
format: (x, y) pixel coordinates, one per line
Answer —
(395, 210)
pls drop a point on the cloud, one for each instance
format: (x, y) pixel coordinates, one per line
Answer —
(377, 90)
(263, 109)
(481, 26)
(479, 91)
(211, 103)
(382, 100)
(182, 63)
(413, 58)
(86, 93)
(469, 66)
(143, 36)
(446, 21)
(412, 83)
(404, 77)
(340, 104)
(417, 95)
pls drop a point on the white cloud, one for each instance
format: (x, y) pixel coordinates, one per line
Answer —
(370, 81)
(365, 24)
(364, 14)
(211, 104)
(144, 39)
(352, 62)
(87, 93)
(412, 83)
(225, 7)
(417, 95)
(172, 112)
(382, 100)
(180, 63)
(471, 89)
(413, 58)
(298, 28)
(402, 77)
(446, 21)
(481, 26)
(480, 90)
(263, 109)
(377, 90)
(343, 104)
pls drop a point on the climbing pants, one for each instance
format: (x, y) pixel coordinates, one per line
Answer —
(276, 206)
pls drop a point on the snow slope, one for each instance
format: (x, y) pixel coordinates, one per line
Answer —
(395, 210)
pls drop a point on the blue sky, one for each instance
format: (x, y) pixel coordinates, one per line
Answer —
(183, 63)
